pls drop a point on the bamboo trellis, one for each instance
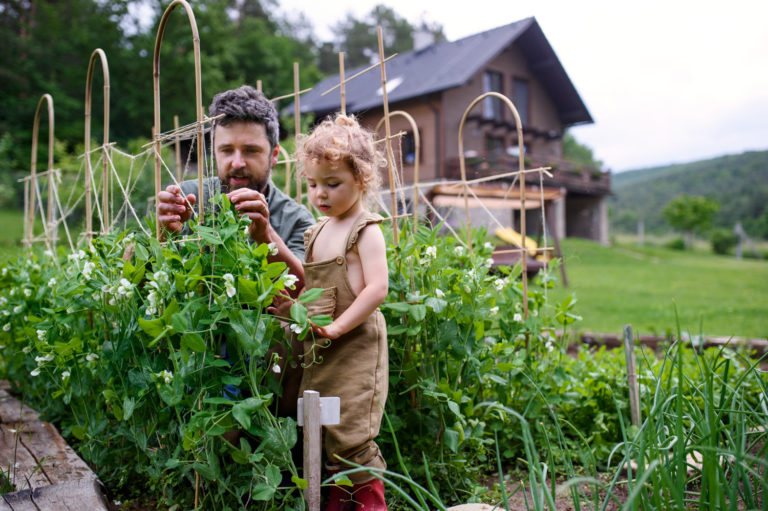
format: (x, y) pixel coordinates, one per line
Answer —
(198, 129)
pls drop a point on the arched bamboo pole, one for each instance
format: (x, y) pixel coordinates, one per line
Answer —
(105, 220)
(30, 206)
(198, 104)
(417, 141)
(521, 162)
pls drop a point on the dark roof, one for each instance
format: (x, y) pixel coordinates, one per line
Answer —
(451, 64)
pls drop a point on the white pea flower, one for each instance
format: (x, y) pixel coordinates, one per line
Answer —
(290, 280)
(5, 272)
(488, 245)
(88, 268)
(3, 301)
(26, 349)
(471, 273)
(272, 249)
(161, 277)
(48, 253)
(499, 284)
(495, 310)
(35, 372)
(439, 293)
(27, 292)
(189, 295)
(296, 328)
(517, 317)
(44, 359)
(489, 262)
(166, 376)
(91, 357)
(7, 327)
(467, 289)
(18, 309)
(36, 267)
(125, 288)
(64, 375)
(276, 369)
(459, 251)
(41, 335)
(2, 346)
(431, 251)
(534, 313)
(52, 282)
(229, 285)
(6, 313)
(13, 290)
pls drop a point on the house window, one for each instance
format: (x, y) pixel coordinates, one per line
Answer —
(492, 106)
(494, 145)
(409, 148)
(520, 99)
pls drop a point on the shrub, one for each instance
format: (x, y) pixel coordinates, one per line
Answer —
(723, 240)
(675, 244)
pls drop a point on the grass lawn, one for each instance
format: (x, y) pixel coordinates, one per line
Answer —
(644, 286)
(11, 233)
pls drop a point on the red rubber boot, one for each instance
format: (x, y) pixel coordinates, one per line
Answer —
(339, 498)
(370, 496)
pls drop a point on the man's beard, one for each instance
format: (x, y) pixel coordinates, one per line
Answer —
(252, 183)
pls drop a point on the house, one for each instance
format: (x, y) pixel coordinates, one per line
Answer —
(436, 83)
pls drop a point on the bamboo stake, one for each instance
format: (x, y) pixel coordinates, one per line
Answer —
(342, 84)
(177, 147)
(521, 171)
(198, 104)
(388, 133)
(105, 219)
(297, 122)
(417, 143)
(634, 391)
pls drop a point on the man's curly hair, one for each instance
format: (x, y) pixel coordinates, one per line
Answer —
(246, 104)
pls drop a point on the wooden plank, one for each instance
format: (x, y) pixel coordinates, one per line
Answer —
(21, 501)
(13, 411)
(25, 472)
(71, 496)
(57, 459)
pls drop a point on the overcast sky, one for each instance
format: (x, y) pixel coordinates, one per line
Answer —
(665, 81)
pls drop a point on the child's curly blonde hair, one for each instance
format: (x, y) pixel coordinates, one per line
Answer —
(342, 139)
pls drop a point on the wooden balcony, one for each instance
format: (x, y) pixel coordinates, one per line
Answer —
(574, 177)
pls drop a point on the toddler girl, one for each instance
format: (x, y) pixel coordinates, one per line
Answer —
(346, 256)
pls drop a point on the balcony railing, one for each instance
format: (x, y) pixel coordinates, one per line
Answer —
(574, 177)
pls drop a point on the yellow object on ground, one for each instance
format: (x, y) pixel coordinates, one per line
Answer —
(512, 236)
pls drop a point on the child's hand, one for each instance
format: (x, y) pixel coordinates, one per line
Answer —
(331, 331)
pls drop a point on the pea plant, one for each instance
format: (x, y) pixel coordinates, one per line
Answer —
(150, 355)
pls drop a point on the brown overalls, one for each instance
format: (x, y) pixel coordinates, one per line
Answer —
(354, 367)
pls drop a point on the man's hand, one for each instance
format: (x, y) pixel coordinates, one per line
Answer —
(253, 204)
(173, 210)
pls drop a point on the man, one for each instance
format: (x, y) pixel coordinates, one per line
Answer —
(245, 144)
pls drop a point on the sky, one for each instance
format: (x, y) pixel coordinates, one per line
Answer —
(665, 81)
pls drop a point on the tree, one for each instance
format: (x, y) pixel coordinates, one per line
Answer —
(358, 38)
(688, 214)
(579, 153)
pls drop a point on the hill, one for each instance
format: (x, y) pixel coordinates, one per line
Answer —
(739, 183)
